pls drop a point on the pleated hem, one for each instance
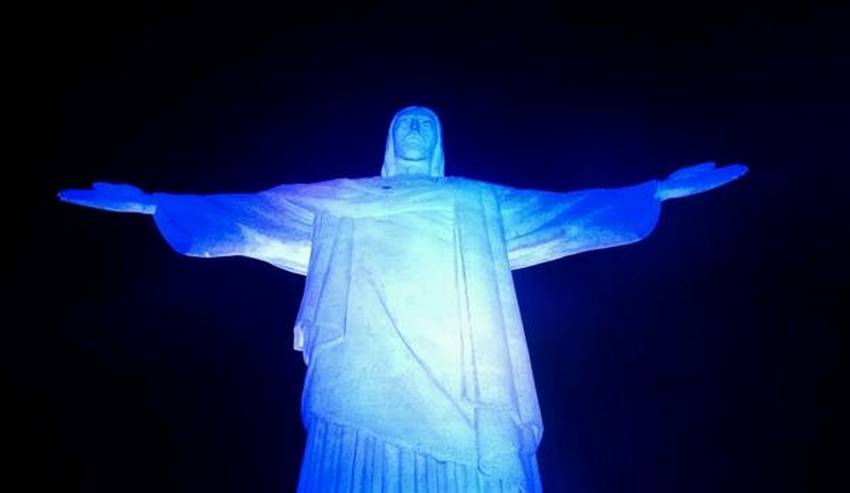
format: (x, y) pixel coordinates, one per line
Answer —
(339, 458)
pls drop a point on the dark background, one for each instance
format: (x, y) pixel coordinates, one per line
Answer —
(703, 359)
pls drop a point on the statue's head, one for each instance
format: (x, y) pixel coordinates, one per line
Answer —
(414, 144)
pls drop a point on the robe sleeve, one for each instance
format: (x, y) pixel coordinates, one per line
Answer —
(274, 226)
(542, 226)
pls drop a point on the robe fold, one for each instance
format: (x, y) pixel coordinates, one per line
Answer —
(418, 375)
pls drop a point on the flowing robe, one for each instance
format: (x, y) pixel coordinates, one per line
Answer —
(418, 376)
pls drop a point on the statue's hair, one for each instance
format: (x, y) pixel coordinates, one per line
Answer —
(438, 164)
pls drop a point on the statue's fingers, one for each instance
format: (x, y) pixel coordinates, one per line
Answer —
(106, 185)
(76, 196)
(90, 198)
(736, 170)
(693, 170)
(114, 187)
(730, 172)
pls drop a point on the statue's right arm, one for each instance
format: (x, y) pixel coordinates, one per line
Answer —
(274, 226)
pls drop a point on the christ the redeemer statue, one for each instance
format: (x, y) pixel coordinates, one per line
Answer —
(418, 371)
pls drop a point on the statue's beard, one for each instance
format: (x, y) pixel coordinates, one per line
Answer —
(414, 150)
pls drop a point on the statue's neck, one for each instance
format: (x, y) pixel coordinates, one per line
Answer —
(412, 178)
(408, 167)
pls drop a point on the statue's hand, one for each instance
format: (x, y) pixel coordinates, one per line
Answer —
(112, 197)
(697, 179)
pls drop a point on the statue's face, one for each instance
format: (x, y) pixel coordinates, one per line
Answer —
(415, 136)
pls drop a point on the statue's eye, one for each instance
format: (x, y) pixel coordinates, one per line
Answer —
(426, 123)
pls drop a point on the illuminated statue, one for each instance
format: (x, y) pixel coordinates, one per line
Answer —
(418, 372)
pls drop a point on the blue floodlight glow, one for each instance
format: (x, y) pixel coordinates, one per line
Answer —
(418, 372)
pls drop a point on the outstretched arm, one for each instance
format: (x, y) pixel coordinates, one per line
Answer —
(274, 226)
(543, 226)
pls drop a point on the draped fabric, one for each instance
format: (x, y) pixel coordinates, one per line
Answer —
(341, 458)
(409, 322)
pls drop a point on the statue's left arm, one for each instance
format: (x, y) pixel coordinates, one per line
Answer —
(543, 226)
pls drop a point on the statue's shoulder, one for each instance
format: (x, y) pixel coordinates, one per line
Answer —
(462, 184)
(334, 183)
(347, 182)
(460, 181)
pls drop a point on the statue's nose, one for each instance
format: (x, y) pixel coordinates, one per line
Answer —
(414, 124)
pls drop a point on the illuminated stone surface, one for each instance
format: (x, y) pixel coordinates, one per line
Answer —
(418, 371)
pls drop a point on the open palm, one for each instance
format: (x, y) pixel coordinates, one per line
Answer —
(697, 179)
(111, 197)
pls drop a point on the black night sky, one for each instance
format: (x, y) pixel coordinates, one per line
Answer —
(703, 359)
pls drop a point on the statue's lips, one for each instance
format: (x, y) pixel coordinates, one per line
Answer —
(414, 139)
